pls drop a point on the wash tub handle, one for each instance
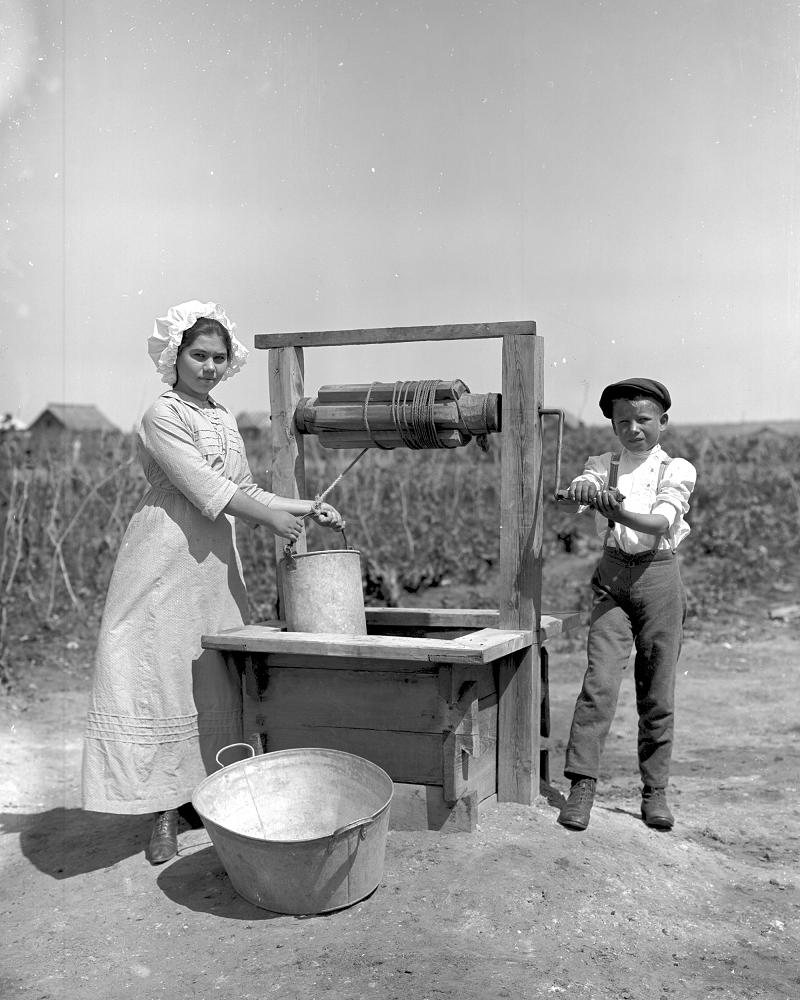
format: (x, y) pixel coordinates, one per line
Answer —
(362, 833)
(230, 746)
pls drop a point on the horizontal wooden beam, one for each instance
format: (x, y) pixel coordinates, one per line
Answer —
(433, 617)
(487, 646)
(551, 623)
(413, 757)
(384, 392)
(394, 335)
(347, 699)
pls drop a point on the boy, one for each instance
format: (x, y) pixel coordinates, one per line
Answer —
(641, 497)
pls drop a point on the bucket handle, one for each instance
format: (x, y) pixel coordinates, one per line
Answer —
(290, 553)
(230, 746)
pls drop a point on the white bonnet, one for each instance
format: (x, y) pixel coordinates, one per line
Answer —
(168, 332)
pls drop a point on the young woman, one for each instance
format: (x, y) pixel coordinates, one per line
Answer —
(161, 706)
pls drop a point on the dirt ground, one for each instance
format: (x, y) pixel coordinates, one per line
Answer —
(521, 908)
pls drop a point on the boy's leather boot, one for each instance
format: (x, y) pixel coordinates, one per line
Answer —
(164, 838)
(655, 811)
(576, 810)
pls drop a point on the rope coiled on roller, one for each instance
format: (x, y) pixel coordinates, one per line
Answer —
(412, 410)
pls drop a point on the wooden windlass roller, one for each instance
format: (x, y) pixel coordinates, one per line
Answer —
(417, 414)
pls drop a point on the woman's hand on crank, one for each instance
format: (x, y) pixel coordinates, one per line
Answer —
(328, 516)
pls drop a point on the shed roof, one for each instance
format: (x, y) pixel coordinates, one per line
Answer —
(74, 417)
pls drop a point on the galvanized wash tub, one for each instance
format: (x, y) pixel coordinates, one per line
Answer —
(299, 831)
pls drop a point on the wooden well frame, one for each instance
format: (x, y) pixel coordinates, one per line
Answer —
(452, 703)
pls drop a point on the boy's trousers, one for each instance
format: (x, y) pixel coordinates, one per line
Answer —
(638, 600)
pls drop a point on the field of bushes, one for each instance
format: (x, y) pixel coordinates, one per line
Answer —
(425, 522)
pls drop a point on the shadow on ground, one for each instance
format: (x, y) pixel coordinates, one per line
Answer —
(198, 881)
(63, 843)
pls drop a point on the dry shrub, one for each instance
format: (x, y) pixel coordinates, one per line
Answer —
(64, 507)
(420, 519)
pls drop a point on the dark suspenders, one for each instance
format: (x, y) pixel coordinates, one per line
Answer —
(613, 475)
(613, 472)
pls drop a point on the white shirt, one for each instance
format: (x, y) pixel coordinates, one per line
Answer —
(637, 480)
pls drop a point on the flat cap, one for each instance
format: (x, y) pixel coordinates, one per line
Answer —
(630, 388)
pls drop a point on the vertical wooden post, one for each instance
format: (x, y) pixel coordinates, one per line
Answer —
(519, 686)
(288, 474)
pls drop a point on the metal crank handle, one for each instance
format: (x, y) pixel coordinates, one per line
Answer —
(563, 498)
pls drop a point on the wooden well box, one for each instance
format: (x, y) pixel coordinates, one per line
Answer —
(451, 703)
(418, 696)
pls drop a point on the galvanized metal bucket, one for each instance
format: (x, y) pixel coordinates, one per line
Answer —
(322, 591)
(299, 831)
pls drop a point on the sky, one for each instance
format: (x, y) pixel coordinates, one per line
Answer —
(622, 172)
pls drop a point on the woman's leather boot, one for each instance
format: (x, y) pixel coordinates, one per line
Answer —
(164, 838)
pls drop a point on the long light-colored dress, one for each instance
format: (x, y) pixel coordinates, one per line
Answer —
(161, 706)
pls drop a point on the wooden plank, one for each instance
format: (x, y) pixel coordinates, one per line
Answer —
(487, 682)
(347, 699)
(383, 392)
(544, 673)
(492, 645)
(478, 638)
(455, 769)
(485, 774)
(334, 663)
(544, 718)
(521, 570)
(458, 698)
(394, 335)
(484, 768)
(421, 632)
(422, 807)
(348, 440)
(521, 484)
(544, 765)
(412, 757)
(552, 623)
(558, 623)
(433, 617)
(272, 625)
(458, 703)
(287, 473)
(252, 683)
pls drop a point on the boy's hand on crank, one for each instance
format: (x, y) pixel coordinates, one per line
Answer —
(582, 492)
(607, 502)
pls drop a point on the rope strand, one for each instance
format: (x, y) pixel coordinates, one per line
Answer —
(413, 413)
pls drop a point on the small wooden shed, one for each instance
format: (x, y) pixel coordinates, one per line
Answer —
(72, 419)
